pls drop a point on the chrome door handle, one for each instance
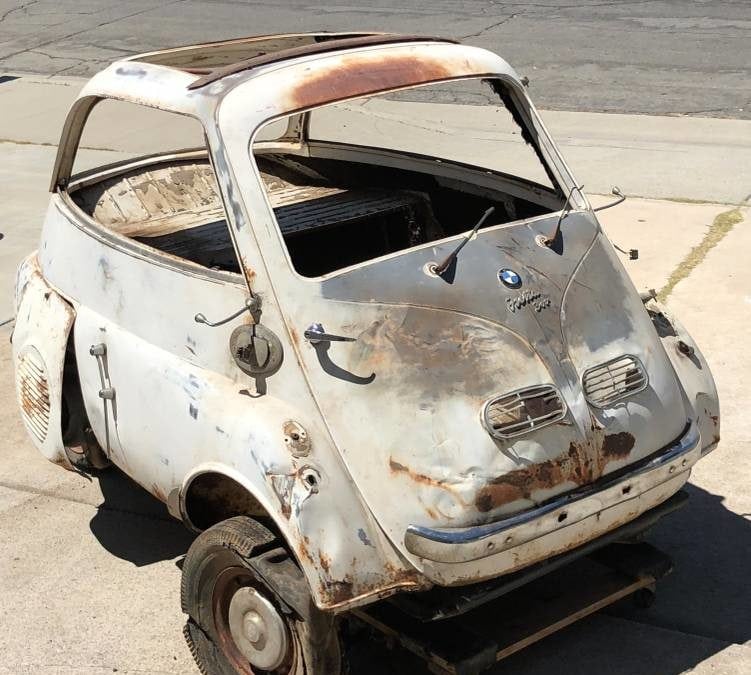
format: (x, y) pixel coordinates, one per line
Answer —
(315, 335)
(251, 305)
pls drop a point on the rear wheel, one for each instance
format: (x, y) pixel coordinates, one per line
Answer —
(249, 608)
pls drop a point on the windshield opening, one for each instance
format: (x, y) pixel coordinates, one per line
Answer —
(377, 175)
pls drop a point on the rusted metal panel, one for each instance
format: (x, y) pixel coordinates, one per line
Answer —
(350, 444)
(40, 338)
(440, 351)
(349, 78)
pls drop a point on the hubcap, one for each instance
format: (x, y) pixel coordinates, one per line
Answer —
(257, 629)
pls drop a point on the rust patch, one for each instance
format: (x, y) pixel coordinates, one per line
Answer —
(431, 513)
(400, 575)
(303, 550)
(250, 273)
(369, 74)
(419, 352)
(294, 335)
(337, 592)
(715, 418)
(618, 445)
(325, 561)
(296, 438)
(572, 466)
(34, 397)
(345, 590)
(282, 484)
(494, 494)
(398, 468)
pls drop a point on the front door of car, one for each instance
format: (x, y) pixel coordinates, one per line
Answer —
(144, 362)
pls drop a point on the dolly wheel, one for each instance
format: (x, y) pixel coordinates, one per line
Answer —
(241, 623)
(644, 598)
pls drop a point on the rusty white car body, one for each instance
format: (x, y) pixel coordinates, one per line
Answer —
(399, 426)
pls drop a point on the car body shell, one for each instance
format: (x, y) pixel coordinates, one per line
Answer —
(398, 485)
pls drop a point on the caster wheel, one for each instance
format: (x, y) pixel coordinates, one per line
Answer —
(644, 598)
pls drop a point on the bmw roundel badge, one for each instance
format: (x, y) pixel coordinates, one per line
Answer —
(509, 278)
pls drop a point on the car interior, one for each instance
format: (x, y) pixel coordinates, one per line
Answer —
(336, 203)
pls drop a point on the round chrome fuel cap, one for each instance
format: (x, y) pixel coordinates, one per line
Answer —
(509, 278)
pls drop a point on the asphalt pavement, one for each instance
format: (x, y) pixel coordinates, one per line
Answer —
(660, 57)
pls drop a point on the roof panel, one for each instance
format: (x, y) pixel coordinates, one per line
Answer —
(211, 55)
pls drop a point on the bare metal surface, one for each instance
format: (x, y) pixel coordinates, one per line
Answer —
(392, 417)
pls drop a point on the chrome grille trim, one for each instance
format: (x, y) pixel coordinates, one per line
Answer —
(519, 412)
(614, 380)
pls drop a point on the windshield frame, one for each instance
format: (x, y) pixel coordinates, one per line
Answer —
(521, 109)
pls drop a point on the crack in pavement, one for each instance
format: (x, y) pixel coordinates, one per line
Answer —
(611, 3)
(45, 144)
(52, 494)
(491, 26)
(718, 230)
(17, 9)
(654, 623)
(60, 38)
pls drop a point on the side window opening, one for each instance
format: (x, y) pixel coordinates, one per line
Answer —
(160, 193)
(389, 172)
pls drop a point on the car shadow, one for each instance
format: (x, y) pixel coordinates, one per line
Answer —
(700, 608)
(133, 525)
(707, 594)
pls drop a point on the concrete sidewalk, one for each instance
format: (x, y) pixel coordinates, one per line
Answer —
(89, 574)
(692, 158)
(654, 157)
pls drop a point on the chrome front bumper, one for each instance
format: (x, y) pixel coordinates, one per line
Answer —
(589, 505)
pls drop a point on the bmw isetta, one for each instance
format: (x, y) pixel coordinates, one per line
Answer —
(367, 338)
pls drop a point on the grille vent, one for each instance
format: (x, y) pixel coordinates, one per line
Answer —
(523, 410)
(615, 380)
(33, 393)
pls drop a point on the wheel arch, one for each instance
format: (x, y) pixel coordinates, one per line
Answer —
(234, 492)
(223, 492)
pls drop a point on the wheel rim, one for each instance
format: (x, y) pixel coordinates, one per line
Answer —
(251, 632)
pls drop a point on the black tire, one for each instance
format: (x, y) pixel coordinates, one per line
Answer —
(220, 562)
(81, 447)
(644, 598)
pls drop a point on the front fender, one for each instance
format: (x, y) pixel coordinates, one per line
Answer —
(692, 370)
(345, 558)
(40, 337)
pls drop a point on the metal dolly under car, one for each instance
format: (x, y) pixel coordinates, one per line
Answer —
(465, 630)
